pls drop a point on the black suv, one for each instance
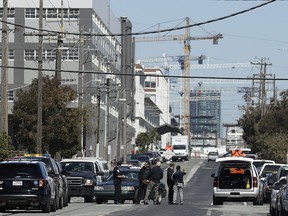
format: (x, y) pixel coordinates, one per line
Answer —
(54, 173)
(25, 184)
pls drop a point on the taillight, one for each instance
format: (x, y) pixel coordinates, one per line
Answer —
(42, 183)
(215, 182)
(255, 182)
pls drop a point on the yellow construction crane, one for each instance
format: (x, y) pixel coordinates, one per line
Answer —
(186, 69)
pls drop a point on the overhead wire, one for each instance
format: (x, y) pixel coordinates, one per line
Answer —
(148, 32)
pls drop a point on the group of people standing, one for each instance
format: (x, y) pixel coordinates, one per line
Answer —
(175, 184)
(149, 180)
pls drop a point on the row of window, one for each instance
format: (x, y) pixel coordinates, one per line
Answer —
(10, 96)
(50, 55)
(48, 13)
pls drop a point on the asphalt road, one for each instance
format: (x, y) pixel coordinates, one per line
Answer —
(197, 200)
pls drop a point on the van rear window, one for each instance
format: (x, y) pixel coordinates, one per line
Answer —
(20, 171)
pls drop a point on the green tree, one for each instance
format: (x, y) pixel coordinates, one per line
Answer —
(61, 128)
(5, 146)
(144, 140)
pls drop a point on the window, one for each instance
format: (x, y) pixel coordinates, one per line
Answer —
(29, 54)
(73, 13)
(11, 96)
(51, 13)
(30, 13)
(51, 55)
(73, 55)
(10, 12)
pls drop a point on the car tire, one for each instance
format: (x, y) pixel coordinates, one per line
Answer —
(258, 200)
(69, 199)
(61, 203)
(66, 201)
(99, 201)
(88, 199)
(2, 209)
(54, 206)
(159, 197)
(46, 208)
(217, 201)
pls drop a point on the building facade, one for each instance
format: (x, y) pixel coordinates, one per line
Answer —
(205, 114)
(88, 26)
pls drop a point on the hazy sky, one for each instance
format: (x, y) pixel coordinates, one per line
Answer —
(262, 32)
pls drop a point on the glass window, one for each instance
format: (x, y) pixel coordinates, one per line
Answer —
(20, 170)
(11, 96)
(73, 55)
(29, 55)
(30, 13)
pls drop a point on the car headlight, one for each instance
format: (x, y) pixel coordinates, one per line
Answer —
(88, 182)
(127, 188)
(98, 188)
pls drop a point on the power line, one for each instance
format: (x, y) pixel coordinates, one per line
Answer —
(147, 75)
(148, 32)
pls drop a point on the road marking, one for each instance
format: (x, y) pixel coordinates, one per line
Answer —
(192, 172)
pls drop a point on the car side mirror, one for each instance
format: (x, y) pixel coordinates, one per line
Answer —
(263, 175)
(213, 175)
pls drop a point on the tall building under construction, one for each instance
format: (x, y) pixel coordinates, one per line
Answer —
(205, 113)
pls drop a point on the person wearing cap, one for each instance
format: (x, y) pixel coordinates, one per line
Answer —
(170, 182)
(143, 180)
(155, 176)
(179, 184)
(117, 180)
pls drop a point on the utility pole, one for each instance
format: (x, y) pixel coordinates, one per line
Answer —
(59, 46)
(80, 87)
(4, 78)
(262, 84)
(40, 81)
(106, 143)
(123, 85)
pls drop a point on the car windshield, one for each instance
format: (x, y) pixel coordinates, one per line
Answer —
(142, 158)
(20, 171)
(258, 164)
(176, 147)
(270, 169)
(213, 153)
(77, 166)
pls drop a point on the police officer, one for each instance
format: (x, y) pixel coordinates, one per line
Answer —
(117, 176)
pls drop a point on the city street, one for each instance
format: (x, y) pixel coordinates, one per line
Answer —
(197, 200)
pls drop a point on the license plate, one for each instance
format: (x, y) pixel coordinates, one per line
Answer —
(17, 183)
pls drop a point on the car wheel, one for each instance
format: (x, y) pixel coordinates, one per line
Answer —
(2, 209)
(65, 200)
(99, 201)
(88, 199)
(46, 208)
(123, 201)
(61, 203)
(217, 201)
(69, 199)
(258, 200)
(54, 206)
(159, 197)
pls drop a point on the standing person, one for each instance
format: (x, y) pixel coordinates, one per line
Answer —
(179, 184)
(143, 180)
(117, 176)
(155, 176)
(170, 182)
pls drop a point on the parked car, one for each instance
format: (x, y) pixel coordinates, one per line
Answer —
(212, 155)
(26, 184)
(83, 174)
(258, 163)
(236, 179)
(64, 183)
(141, 157)
(105, 191)
(53, 172)
(267, 185)
(269, 169)
(283, 199)
(274, 195)
(279, 194)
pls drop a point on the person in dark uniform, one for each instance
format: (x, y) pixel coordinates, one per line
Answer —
(170, 183)
(143, 180)
(155, 176)
(117, 176)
